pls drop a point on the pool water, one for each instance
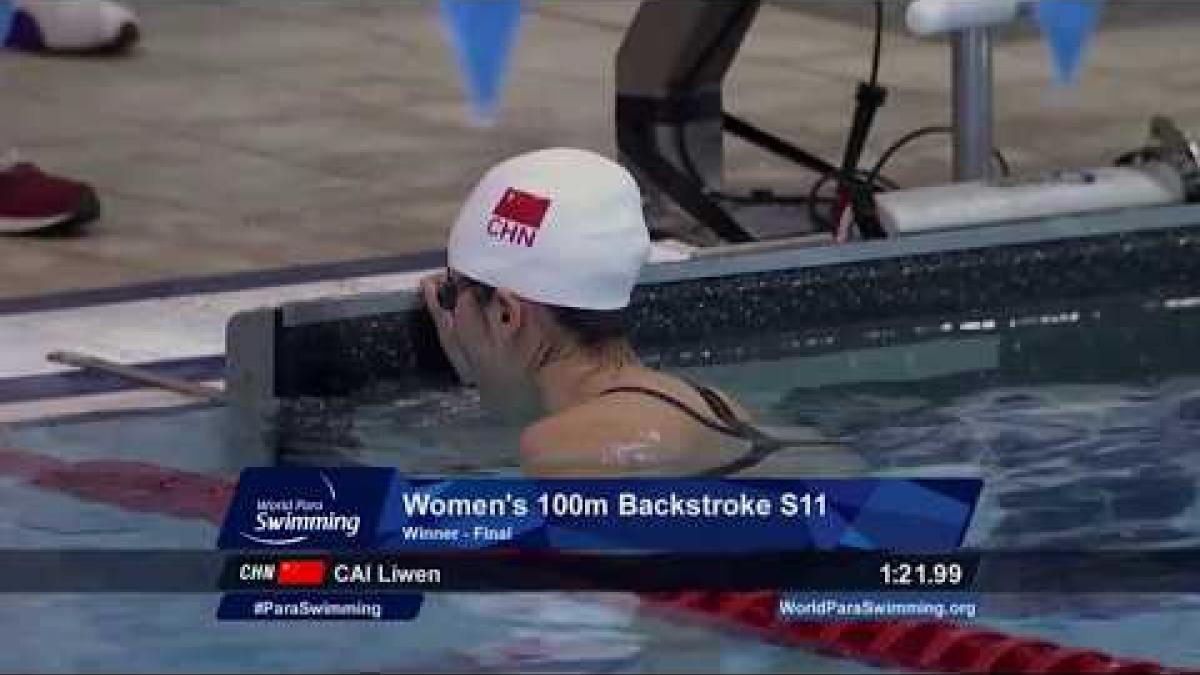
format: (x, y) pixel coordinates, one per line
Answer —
(1080, 459)
(1074, 462)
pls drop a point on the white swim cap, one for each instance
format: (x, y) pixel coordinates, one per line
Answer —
(560, 226)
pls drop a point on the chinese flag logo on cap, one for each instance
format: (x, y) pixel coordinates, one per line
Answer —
(521, 207)
(517, 218)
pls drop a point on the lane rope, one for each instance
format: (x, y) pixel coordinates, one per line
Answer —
(930, 646)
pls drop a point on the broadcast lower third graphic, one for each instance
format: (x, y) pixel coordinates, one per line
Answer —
(877, 606)
(301, 572)
(319, 607)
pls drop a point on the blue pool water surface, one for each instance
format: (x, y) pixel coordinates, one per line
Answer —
(1074, 462)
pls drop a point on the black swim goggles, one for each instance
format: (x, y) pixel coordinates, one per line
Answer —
(452, 286)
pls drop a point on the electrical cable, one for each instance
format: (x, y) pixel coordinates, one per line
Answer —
(869, 99)
(911, 136)
(1001, 162)
(873, 179)
(875, 58)
(903, 141)
(879, 183)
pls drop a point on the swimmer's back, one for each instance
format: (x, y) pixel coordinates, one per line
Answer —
(663, 426)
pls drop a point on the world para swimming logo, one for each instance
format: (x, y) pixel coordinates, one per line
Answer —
(295, 519)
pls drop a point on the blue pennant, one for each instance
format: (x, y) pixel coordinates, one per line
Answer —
(482, 33)
(1067, 25)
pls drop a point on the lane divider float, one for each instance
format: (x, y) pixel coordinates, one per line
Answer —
(930, 646)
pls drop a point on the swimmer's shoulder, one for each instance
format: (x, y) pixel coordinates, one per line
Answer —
(576, 440)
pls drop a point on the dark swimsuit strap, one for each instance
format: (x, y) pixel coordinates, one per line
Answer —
(761, 443)
(683, 407)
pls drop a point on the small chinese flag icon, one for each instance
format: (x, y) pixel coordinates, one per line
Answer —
(301, 572)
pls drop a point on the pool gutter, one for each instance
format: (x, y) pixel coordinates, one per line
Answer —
(814, 298)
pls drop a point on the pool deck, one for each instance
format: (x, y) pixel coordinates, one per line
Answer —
(301, 137)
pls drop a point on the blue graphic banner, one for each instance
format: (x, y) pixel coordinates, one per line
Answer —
(319, 607)
(374, 509)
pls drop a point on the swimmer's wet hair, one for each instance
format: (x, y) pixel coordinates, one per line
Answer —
(593, 328)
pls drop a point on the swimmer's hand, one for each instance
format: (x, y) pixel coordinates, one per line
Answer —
(444, 321)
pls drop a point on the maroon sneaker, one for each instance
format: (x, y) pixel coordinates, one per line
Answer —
(33, 201)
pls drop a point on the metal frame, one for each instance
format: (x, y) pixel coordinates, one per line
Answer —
(670, 68)
(669, 115)
(972, 93)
